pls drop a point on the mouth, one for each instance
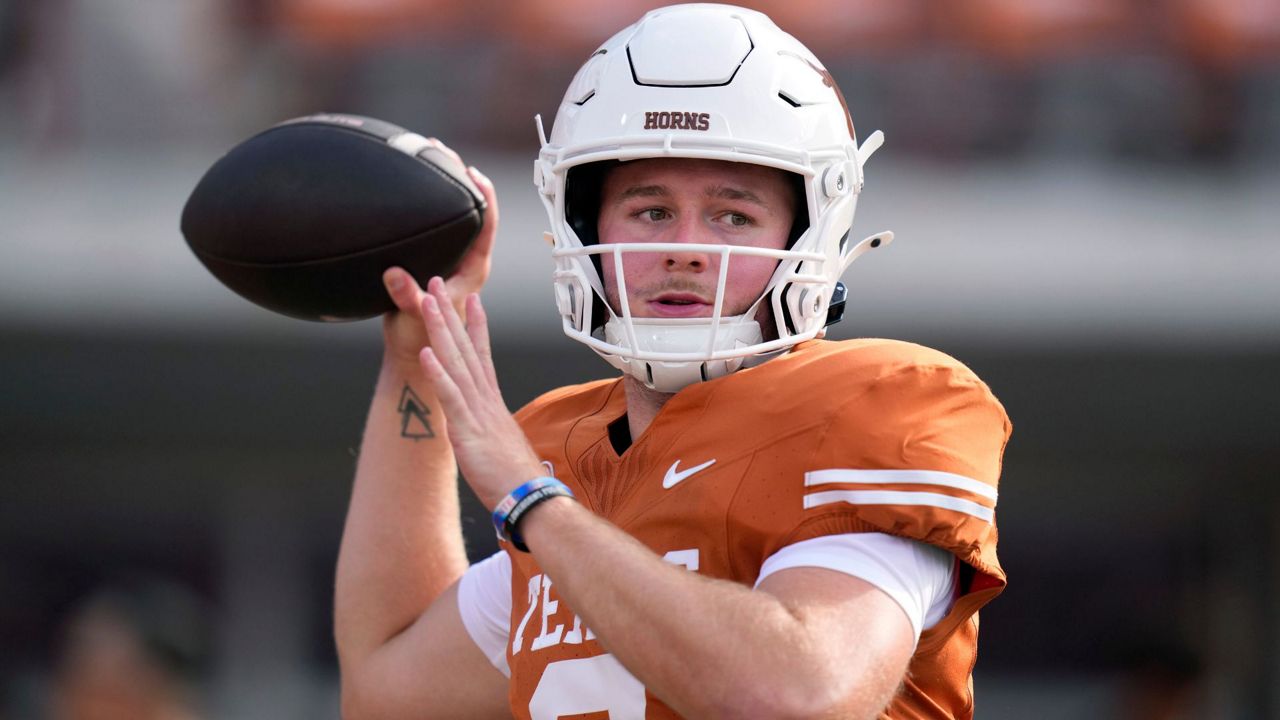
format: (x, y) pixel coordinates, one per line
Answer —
(679, 305)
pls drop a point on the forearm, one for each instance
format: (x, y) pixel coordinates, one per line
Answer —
(402, 543)
(709, 648)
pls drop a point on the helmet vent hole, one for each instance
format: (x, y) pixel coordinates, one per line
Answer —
(702, 370)
(584, 100)
(785, 98)
(875, 243)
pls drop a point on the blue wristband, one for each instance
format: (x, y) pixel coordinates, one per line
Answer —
(519, 501)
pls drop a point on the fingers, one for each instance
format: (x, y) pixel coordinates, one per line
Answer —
(490, 194)
(459, 361)
(403, 289)
(446, 149)
(459, 331)
(484, 242)
(445, 343)
(478, 329)
(451, 397)
(474, 269)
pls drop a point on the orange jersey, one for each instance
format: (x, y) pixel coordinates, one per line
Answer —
(833, 437)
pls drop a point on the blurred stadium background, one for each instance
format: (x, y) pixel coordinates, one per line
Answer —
(1086, 199)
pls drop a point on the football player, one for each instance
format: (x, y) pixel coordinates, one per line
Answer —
(751, 521)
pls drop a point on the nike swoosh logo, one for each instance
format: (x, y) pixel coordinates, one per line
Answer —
(672, 477)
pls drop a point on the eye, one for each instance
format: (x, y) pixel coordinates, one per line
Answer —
(736, 219)
(653, 214)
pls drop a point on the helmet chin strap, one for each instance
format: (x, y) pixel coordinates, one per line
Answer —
(656, 335)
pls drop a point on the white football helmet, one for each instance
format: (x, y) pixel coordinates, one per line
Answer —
(713, 82)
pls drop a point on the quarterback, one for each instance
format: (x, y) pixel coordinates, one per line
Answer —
(750, 521)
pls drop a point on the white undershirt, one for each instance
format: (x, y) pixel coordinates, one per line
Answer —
(919, 577)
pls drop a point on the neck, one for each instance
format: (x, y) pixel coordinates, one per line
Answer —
(643, 404)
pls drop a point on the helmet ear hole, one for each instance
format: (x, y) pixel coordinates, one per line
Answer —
(800, 201)
(784, 300)
(599, 312)
(582, 188)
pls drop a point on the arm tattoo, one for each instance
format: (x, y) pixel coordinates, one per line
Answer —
(413, 416)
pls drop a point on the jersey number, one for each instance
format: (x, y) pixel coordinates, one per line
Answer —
(587, 685)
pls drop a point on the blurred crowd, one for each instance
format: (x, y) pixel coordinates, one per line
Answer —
(1166, 80)
(138, 647)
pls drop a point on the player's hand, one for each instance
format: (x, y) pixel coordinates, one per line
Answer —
(492, 451)
(402, 329)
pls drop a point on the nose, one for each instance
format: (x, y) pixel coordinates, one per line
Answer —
(692, 261)
(688, 231)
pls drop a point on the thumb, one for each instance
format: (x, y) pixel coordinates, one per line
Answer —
(403, 289)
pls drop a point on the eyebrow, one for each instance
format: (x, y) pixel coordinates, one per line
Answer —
(644, 191)
(719, 191)
(731, 193)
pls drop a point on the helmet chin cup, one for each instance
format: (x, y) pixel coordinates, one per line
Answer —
(650, 339)
(712, 82)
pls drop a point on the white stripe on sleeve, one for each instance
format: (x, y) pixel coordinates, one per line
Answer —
(936, 478)
(484, 600)
(900, 497)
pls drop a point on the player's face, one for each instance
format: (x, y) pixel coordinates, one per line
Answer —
(681, 200)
